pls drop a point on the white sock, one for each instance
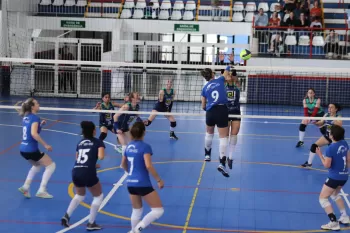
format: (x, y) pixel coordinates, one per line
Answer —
(301, 135)
(172, 129)
(74, 204)
(95, 205)
(343, 213)
(232, 145)
(136, 217)
(31, 174)
(208, 141)
(222, 147)
(46, 176)
(155, 214)
(311, 157)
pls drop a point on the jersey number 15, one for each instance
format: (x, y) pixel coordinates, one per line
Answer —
(82, 156)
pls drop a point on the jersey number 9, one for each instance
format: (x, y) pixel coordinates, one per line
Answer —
(82, 156)
(215, 96)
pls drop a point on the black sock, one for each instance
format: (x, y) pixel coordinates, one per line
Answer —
(102, 136)
(332, 217)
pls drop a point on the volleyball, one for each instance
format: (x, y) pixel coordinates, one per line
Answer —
(245, 54)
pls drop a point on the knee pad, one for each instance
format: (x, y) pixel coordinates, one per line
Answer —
(324, 202)
(173, 124)
(233, 140)
(313, 148)
(103, 136)
(51, 167)
(158, 212)
(223, 141)
(335, 197)
(36, 169)
(302, 127)
(79, 198)
(136, 213)
(97, 200)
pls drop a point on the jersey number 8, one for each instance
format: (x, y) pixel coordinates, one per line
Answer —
(215, 96)
(24, 133)
(82, 156)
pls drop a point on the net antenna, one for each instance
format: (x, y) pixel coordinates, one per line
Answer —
(266, 92)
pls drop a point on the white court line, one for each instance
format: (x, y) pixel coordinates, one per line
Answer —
(105, 200)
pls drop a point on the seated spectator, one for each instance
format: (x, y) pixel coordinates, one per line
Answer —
(332, 44)
(261, 20)
(316, 11)
(305, 9)
(303, 21)
(274, 21)
(289, 5)
(292, 21)
(316, 23)
(276, 45)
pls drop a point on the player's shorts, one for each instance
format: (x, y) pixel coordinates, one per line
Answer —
(236, 112)
(335, 183)
(325, 134)
(140, 191)
(109, 127)
(217, 115)
(321, 114)
(162, 107)
(82, 178)
(35, 156)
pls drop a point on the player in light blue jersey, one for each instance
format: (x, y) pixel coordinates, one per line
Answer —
(84, 174)
(123, 120)
(337, 160)
(312, 108)
(234, 108)
(137, 163)
(214, 102)
(325, 125)
(29, 148)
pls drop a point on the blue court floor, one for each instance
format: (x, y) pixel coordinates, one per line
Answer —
(267, 191)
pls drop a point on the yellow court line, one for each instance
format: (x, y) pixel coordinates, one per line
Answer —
(71, 194)
(189, 213)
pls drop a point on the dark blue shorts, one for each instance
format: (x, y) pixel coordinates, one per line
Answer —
(159, 107)
(83, 178)
(109, 127)
(335, 183)
(235, 112)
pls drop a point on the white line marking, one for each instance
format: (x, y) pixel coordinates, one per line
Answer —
(344, 195)
(105, 200)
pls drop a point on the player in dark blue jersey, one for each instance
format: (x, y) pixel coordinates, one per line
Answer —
(234, 108)
(122, 121)
(106, 119)
(214, 102)
(29, 148)
(325, 125)
(164, 104)
(137, 163)
(84, 174)
(337, 160)
(312, 108)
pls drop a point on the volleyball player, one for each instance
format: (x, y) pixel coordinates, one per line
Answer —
(164, 104)
(29, 148)
(312, 108)
(122, 121)
(337, 160)
(214, 100)
(233, 105)
(137, 163)
(325, 126)
(84, 174)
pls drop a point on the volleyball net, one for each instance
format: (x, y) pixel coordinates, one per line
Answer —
(265, 91)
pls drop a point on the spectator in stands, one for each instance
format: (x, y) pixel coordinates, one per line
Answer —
(332, 44)
(305, 9)
(66, 76)
(292, 21)
(216, 9)
(303, 21)
(276, 45)
(289, 5)
(261, 20)
(316, 23)
(274, 21)
(316, 11)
